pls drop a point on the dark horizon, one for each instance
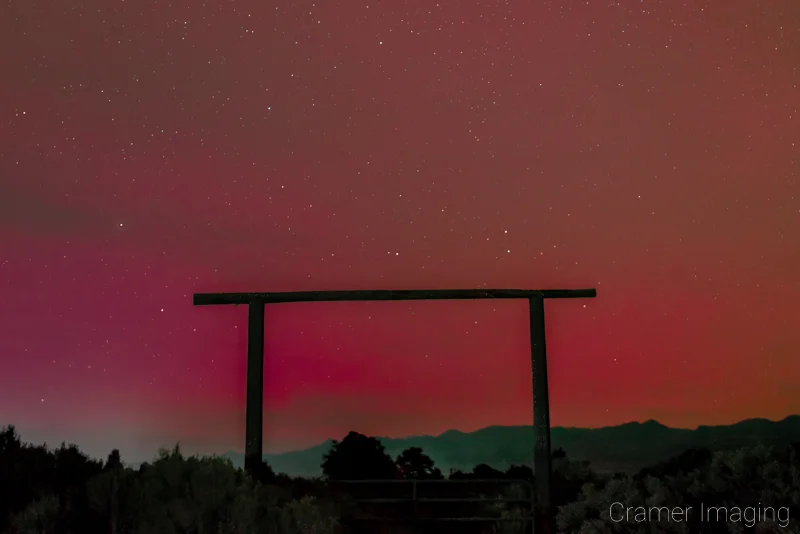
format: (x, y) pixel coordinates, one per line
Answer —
(644, 422)
(189, 449)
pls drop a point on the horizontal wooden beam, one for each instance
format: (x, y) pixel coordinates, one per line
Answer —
(208, 299)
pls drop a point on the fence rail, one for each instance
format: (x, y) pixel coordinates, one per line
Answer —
(414, 499)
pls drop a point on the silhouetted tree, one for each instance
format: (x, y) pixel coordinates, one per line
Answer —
(486, 472)
(415, 464)
(569, 478)
(10, 441)
(520, 472)
(33, 478)
(114, 460)
(358, 457)
(104, 490)
(73, 469)
(263, 473)
(12, 498)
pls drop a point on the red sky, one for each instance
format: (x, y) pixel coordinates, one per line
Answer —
(151, 150)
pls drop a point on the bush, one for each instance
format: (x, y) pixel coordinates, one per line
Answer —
(40, 517)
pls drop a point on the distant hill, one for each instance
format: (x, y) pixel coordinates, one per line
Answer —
(627, 447)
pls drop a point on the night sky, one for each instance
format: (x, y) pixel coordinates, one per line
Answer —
(150, 150)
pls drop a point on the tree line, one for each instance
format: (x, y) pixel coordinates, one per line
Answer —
(63, 491)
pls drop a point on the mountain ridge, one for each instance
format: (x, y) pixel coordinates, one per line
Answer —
(625, 447)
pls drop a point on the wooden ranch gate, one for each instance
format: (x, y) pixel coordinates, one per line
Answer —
(542, 506)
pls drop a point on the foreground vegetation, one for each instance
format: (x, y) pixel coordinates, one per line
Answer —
(62, 491)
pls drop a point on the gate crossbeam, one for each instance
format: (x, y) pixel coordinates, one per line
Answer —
(542, 462)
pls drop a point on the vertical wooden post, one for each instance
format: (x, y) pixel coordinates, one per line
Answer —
(254, 409)
(542, 459)
(414, 497)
